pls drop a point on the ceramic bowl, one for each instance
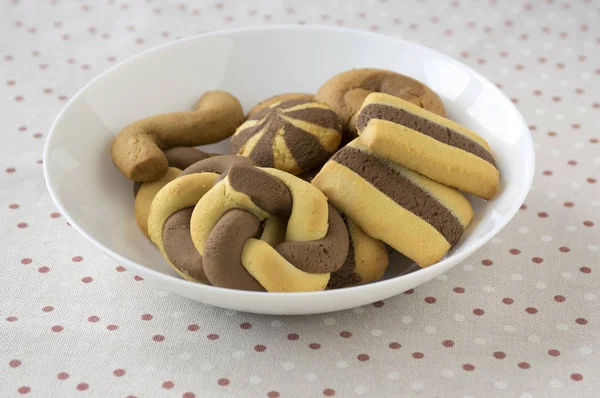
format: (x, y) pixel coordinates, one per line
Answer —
(255, 63)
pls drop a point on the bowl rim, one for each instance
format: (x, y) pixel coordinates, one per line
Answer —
(449, 261)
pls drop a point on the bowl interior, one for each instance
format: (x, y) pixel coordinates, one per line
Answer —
(253, 64)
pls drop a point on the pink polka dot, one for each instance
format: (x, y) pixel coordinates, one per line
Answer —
(568, 204)
(560, 299)
(542, 214)
(26, 260)
(576, 125)
(576, 377)
(43, 270)
(524, 365)
(12, 319)
(572, 163)
(245, 325)
(459, 290)
(112, 327)
(22, 225)
(588, 223)
(487, 262)
(362, 357)
(553, 352)
(213, 336)
(77, 259)
(48, 308)
(158, 338)
(223, 382)
(418, 355)
(314, 346)
(564, 249)
(119, 372)
(193, 327)
(523, 207)
(13, 206)
(189, 395)
(468, 367)
(394, 345)
(591, 180)
(430, 300)
(531, 310)
(93, 319)
(409, 291)
(24, 390)
(585, 270)
(62, 376)
(15, 363)
(87, 279)
(448, 343)
(138, 278)
(478, 311)
(120, 268)
(57, 328)
(167, 385)
(345, 334)
(83, 386)
(378, 304)
(514, 251)
(329, 392)
(547, 172)
(147, 317)
(537, 260)
(293, 336)
(499, 355)
(581, 321)
(507, 301)
(594, 140)
(273, 394)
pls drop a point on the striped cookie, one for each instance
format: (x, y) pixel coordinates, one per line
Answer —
(425, 142)
(296, 135)
(420, 218)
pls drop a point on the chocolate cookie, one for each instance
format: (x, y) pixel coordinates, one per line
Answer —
(345, 93)
(418, 217)
(434, 146)
(295, 136)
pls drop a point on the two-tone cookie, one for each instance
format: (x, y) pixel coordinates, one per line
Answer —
(434, 146)
(418, 217)
(295, 136)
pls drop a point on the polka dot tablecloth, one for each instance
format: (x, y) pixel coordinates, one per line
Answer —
(520, 318)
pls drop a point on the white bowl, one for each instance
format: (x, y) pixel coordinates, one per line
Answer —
(255, 63)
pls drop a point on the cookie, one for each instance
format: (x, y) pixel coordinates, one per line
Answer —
(418, 217)
(137, 151)
(366, 262)
(276, 98)
(226, 231)
(295, 135)
(345, 93)
(434, 146)
(145, 195)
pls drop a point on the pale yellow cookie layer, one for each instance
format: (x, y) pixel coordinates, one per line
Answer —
(440, 162)
(209, 210)
(328, 138)
(379, 216)
(275, 273)
(176, 195)
(145, 196)
(370, 256)
(386, 99)
(309, 218)
(282, 156)
(273, 231)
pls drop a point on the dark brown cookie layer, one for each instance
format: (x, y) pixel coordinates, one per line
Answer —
(438, 132)
(266, 191)
(320, 256)
(402, 191)
(223, 251)
(178, 245)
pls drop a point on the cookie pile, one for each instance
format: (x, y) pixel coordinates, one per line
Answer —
(315, 189)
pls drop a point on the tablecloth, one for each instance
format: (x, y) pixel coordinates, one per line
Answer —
(520, 318)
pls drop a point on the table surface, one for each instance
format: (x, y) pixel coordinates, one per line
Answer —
(520, 318)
